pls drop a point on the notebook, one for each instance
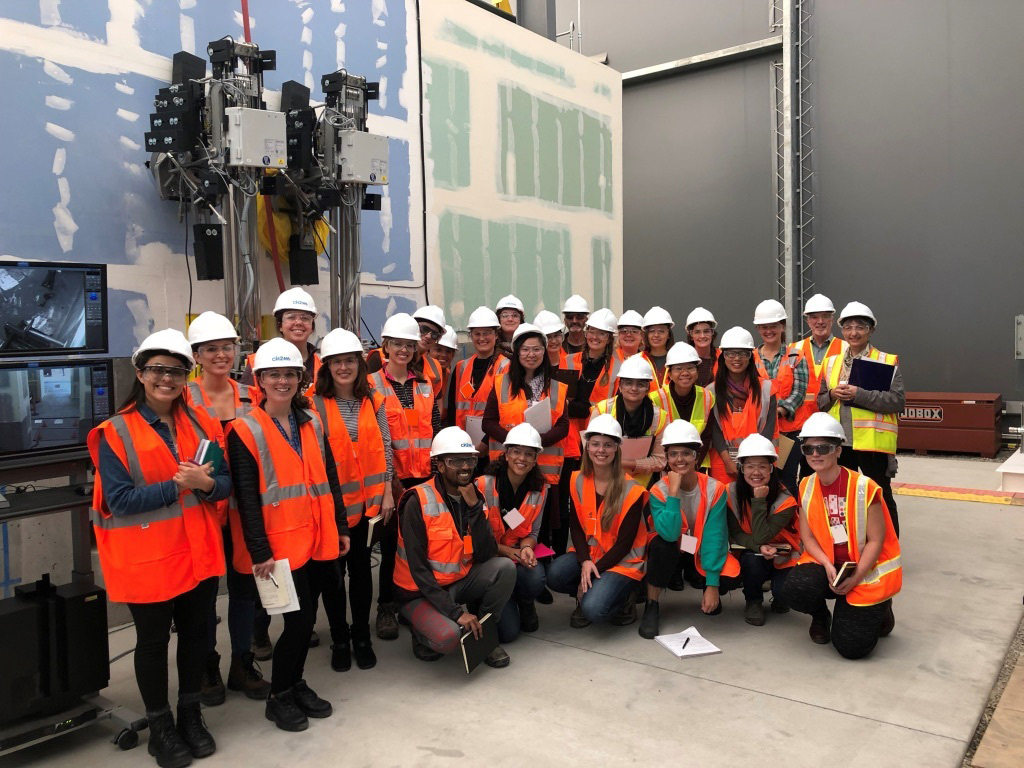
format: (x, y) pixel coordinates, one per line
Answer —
(278, 592)
(689, 642)
(871, 374)
(371, 528)
(209, 451)
(475, 651)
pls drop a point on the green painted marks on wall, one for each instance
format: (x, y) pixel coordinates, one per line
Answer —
(459, 35)
(601, 249)
(447, 93)
(463, 37)
(553, 151)
(603, 89)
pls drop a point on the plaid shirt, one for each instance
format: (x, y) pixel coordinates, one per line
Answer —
(796, 397)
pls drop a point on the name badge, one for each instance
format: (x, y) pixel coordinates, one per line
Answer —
(839, 535)
(513, 518)
(688, 543)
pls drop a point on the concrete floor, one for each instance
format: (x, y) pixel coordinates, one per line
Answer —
(975, 473)
(601, 696)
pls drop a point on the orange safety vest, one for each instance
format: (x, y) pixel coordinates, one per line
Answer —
(815, 372)
(298, 508)
(658, 424)
(531, 509)
(711, 491)
(872, 431)
(660, 380)
(700, 414)
(469, 401)
(510, 414)
(157, 555)
(886, 578)
(362, 466)
(789, 535)
(782, 384)
(600, 540)
(446, 547)
(739, 425)
(602, 390)
(411, 428)
(433, 373)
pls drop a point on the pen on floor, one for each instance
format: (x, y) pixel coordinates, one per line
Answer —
(686, 642)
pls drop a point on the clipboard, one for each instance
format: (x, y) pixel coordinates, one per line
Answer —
(634, 448)
(475, 429)
(871, 375)
(538, 415)
(785, 447)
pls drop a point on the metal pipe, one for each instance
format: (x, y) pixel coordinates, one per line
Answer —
(579, 25)
(790, 299)
(230, 259)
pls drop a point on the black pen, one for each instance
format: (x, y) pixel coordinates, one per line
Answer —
(685, 643)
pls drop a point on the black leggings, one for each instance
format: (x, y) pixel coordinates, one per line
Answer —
(331, 587)
(664, 557)
(190, 613)
(559, 533)
(293, 644)
(876, 466)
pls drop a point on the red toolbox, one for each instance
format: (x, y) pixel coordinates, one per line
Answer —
(961, 422)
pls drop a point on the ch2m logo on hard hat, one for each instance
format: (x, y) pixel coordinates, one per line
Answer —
(921, 414)
(280, 359)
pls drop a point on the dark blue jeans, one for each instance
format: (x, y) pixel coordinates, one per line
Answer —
(241, 605)
(530, 582)
(755, 571)
(604, 598)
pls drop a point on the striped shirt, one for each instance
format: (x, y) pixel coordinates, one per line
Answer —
(349, 411)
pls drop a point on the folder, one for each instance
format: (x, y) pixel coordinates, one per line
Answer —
(475, 651)
(871, 375)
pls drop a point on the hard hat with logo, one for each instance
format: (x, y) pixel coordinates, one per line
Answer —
(548, 322)
(603, 320)
(401, 326)
(680, 432)
(736, 338)
(452, 440)
(482, 317)
(636, 367)
(169, 340)
(450, 338)
(525, 329)
(432, 314)
(856, 309)
(509, 302)
(658, 316)
(297, 299)
(575, 304)
(277, 353)
(769, 311)
(819, 302)
(525, 435)
(700, 315)
(604, 424)
(756, 445)
(210, 326)
(631, 318)
(681, 353)
(340, 342)
(820, 424)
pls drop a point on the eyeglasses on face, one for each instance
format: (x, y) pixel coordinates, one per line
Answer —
(460, 462)
(634, 384)
(508, 314)
(736, 354)
(823, 449)
(578, 317)
(680, 453)
(398, 345)
(282, 376)
(857, 327)
(160, 372)
(516, 452)
(426, 330)
(216, 349)
(297, 318)
(531, 350)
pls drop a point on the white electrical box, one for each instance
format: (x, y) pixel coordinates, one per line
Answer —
(364, 157)
(255, 138)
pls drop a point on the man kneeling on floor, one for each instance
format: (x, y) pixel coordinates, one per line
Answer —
(447, 555)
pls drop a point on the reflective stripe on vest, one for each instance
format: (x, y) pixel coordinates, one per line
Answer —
(445, 553)
(787, 536)
(510, 414)
(600, 540)
(474, 403)
(711, 491)
(872, 431)
(531, 508)
(410, 444)
(275, 493)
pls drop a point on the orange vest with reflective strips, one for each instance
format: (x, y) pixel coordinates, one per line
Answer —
(740, 424)
(510, 414)
(433, 373)
(815, 372)
(788, 535)
(872, 431)
(362, 466)
(782, 383)
(470, 402)
(411, 428)
(600, 540)
(658, 424)
(602, 388)
(711, 491)
(298, 508)
(703, 403)
(154, 556)
(886, 578)
(531, 509)
(446, 552)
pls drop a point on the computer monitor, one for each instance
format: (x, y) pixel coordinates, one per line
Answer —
(49, 308)
(49, 407)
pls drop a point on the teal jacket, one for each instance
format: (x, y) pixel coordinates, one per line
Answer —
(714, 543)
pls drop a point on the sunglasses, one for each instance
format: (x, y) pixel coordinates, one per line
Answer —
(426, 330)
(821, 450)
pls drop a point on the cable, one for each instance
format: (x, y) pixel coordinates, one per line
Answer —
(372, 337)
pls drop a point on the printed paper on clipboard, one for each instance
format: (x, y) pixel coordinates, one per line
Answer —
(538, 415)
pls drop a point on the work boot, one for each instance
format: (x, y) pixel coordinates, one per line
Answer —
(578, 620)
(307, 700)
(753, 613)
(545, 597)
(244, 676)
(192, 729)
(779, 605)
(528, 619)
(212, 686)
(262, 648)
(166, 744)
(820, 625)
(627, 613)
(285, 713)
(387, 624)
(341, 656)
(314, 639)
(888, 623)
(676, 583)
(363, 651)
(422, 651)
(497, 658)
(650, 623)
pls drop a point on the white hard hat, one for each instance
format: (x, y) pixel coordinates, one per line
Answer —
(819, 302)
(210, 326)
(401, 326)
(451, 440)
(509, 302)
(700, 315)
(820, 424)
(432, 314)
(631, 318)
(295, 298)
(576, 304)
(524, 434)
(856, 309)
(769, 311)
(482, 317)
(755, 445)
(680, 432)
(604, 424)
(548, 322)
(524, 329)
(636, 367)
(340, 342)
(450, 338)
(168, 340)
(736, 338)
(277, 353)
(658, 316)
(603, 320)
(680, 353)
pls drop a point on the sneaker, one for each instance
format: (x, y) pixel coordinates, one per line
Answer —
(285, 713)
(626, 614)
(649, 624)
(363, 651)
(314, 639)
(888, 623)
(545, 597)
(497, 658)
(192, 729)
(753, 613)
(245, 676)
(166, 744)
(212, 686)
(262, 648)
(528, 619)
(387, 624)
(779, 605)
(422, 651)
(578, 620)
(341, 657)
(311, 704)
(820, 625)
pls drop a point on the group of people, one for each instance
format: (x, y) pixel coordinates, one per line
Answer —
(581, 454)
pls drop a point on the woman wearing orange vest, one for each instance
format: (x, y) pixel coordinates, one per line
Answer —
(843, 519)
(289, 507)
(413, 418)
(869, 417)
(744, 403)
(214, 346)
(554, 331)
(765, 523)
(157, 524)
(514, 494)
(688, 512)
(431, 325)
(682, 398)
(700, 332)
(608, 532)
(473, 380)
(295, 318)
(658, 340)
(356, 427)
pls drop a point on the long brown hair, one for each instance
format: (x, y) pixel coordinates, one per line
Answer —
(645, 345)
(325, 381)
(616, 491)
(722, 387)
(137, 394)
